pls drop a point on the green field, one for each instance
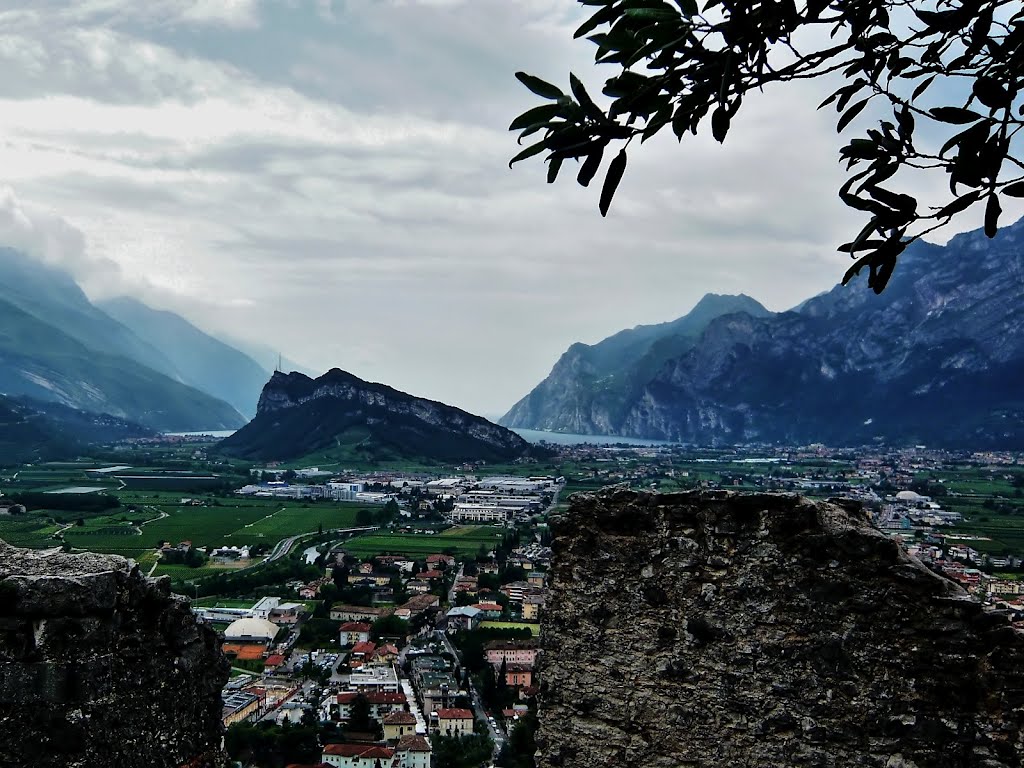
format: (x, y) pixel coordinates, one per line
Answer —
(30, 532)
(463, 540)
(240, 524)
(534, 628)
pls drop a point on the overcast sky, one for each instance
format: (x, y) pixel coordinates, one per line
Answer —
(330, 178)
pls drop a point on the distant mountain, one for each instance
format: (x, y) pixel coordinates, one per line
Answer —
(591, 389)
(41, 361)
(52, 296)
(937, 359)
(341, 417)
(35, 430)
(197, 358)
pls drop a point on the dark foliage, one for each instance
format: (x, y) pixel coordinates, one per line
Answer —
(681, 66)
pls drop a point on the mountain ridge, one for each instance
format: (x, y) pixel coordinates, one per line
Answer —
(930, 360)
(199, 359)
(590, 387)
(340, 414)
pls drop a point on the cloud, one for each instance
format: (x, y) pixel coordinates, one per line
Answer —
(331, 179)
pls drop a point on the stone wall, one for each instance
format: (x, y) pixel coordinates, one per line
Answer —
(100, 666)
(729, 630)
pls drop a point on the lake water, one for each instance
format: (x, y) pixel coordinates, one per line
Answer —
(564, 438)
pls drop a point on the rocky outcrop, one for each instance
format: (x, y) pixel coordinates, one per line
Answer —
(344, 416)
(100, 666)
(592, 388)
(719, 629)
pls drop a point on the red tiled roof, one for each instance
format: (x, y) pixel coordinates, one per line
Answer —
(366, 647)
(355, 626)
(487, 606)
(454, 714)
(274, 661)
(412, 743)
(431, 574)
(400, 718)
(359, 750)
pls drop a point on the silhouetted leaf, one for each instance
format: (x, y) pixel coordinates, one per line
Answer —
(720, 123)
(960, 204)
(530, 151)
(553, 165)
(536, 116)
(611, 181)
(851, 113)
(992, 211)
(954, 115)
(590, 166)
(541, 88)
(991, 93)
(1014, 190)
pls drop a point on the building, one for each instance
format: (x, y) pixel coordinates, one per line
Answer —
(352, 632)
(481, 513)
(398, 724)
(342, 612)
(286, 614)
(263, 608)
(488, 610)
(357, 755)
(251, 631)
(519, 675)
(361, 652)
(465, 617)
(414, 752)
(381, 679)
(238, 706)
(454, 722)
(418, 604)
(532, 605)
(381, 703)
(511, 652)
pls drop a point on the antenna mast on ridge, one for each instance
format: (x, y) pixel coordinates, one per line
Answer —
(278, 369)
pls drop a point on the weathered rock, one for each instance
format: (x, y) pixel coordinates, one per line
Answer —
(766, 630)
(100, 666)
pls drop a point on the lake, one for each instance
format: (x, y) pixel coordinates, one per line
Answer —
(564, 438)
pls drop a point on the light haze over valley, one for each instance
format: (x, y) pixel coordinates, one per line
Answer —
(328, 181)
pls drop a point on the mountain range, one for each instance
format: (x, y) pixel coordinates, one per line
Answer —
(36, 430)
(937, 359)
(339, 417)
(120, 358)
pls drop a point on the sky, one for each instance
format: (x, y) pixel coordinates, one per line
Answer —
(329, 179)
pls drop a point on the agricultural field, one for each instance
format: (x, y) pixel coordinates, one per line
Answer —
(534, 628)
(235, 525)
(29, 532)
(462, 540)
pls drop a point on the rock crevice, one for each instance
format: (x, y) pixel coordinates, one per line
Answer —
(711, 629)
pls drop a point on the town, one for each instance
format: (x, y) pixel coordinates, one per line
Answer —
(392, 616)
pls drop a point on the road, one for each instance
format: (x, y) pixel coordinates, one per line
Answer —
(284, 546)
(451, 592)
(496, 733)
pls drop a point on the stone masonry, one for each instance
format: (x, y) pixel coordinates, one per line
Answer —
(715, 629)
(100, 666)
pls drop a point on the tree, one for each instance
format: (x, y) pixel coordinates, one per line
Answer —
(360, 718)
(950, 72)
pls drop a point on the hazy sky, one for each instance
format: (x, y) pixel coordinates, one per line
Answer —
(329, 178)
